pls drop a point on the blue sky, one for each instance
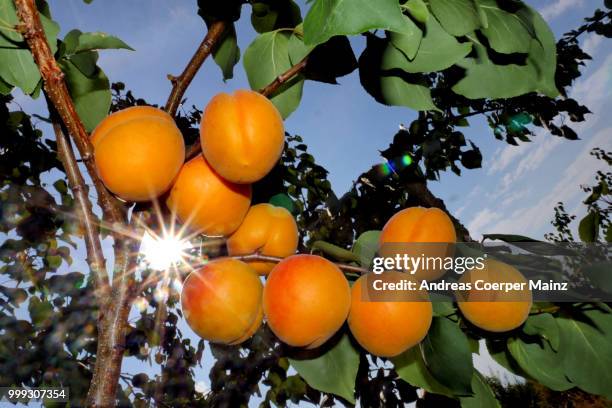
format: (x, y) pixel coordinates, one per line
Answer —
(514, 192)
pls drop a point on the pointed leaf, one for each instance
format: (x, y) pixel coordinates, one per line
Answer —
(335, 371)
(327, 18)
(447, 355)
(458, 17)
(99, 41)
(227, 53)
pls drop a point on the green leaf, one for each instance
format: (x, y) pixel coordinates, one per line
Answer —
(541, 362)
(411, 368)
(507, 32)
(227, 53)
(41, 312)
(391, 87)
(53, 261)
(335, 371)
(366, 246)
(418, 10)
(409, 41)
(438, 50)
(499, 351)
(587, 344)
(268, 57)
(282, 200)
(545, 326)
(335, 251)
(484, 79)
(588, 229)
(401, 92)
(447, 355)
(5, 88)
(330, 60)
(17, 67)
(542, 52)
(297, 49)
(458, 17)
(483, 395)
(71, 41)
(14, 295)
(91, 94)
(328, 18)
(86, 62)
(99, 41)
(270, 15)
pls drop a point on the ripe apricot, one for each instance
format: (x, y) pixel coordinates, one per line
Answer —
(222, 301)
(392, 324)
(266, 229)
(306, 300)
(138, 152)
(418, 231)
(206, 202)
(495, 310)
(242, 135)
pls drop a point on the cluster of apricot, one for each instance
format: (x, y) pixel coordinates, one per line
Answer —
(139, 154)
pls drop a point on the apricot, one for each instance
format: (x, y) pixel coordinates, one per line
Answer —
(390, 325)
(495, 310)
(138, 152)
(206, 202)
(222, 301)
(415, 231)
(268, 230)
(306, 300)
(242, 135)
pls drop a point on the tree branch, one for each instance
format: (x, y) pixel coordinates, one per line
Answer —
(57, 92)
(193, 150)
(180, 83)
(95, 256)
(284, 77)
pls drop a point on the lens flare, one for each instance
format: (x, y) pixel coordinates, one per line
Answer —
(406, 160)
(160, 253)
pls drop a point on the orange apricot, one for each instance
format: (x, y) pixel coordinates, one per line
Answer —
(268, 230)
(306, 299)
(495, 310)
(242, 135)
(206, 202)
(390, 325)
(138, 152)
(222, 301)
(418, 231)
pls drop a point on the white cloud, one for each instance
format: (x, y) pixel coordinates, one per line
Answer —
(477, 226)
(532, 218)
(503, 157)
(557, 7)
(591, 43)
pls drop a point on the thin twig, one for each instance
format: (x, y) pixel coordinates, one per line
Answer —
(95, 256)
(180, 83)
(284, 77)
(195, 149)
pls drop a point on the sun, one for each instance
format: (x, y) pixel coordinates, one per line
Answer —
(162, 252)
